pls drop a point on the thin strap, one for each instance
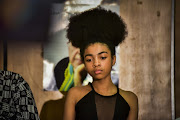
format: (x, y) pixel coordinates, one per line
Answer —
(91, 86)
(117, 90)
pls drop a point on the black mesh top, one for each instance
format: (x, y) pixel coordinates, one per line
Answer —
(94, 106)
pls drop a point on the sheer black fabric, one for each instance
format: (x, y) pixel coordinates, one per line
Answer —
(94, 106)
(105, 106)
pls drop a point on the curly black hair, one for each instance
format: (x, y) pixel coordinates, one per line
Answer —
(96, 25)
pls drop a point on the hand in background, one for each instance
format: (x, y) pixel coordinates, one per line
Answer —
(79, 75)
(78, 66)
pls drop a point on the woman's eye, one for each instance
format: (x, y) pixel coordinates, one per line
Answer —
(103, 58)
(88, 60)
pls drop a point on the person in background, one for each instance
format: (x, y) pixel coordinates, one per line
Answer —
(16, 98)
(70, 71)
(99, 31)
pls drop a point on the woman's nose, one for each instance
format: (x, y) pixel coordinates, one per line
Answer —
(96, 62)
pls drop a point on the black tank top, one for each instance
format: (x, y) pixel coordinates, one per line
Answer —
(94, 106)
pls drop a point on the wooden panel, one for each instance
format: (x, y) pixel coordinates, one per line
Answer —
(177, 58)
(1, 54)
(145, 56)
(24, 57)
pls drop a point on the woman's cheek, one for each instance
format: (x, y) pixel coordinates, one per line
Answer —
(87, 66)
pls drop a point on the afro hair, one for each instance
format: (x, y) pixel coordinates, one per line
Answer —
(96, 25)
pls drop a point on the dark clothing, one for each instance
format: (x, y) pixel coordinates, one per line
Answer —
(94, 106)
(59, 71)
(16, 99)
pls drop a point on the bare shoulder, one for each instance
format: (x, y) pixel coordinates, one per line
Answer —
(73, 95)
(76, 93)
(132, 100)
(130, 97)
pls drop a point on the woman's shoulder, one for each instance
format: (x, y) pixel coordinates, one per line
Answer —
(127, 94)
(130, 97)
(79, 92)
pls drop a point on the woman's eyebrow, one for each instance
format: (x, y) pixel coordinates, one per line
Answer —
(97, 54)
(88, 55)
(102, 52)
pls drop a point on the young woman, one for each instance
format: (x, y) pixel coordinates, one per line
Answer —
(101, 99)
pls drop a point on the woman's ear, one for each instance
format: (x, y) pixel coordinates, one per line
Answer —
(113, 60)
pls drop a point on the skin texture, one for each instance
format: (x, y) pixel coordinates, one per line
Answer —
(98, 63)
(78, 66)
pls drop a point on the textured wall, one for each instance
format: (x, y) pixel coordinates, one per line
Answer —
(145, 56)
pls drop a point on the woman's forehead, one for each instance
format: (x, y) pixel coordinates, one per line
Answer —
(97, 48)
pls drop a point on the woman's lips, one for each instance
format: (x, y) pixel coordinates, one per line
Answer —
(97, 71)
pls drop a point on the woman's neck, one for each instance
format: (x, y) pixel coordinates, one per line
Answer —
(104, 87)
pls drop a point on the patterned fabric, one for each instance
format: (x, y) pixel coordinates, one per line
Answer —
(69, 78)
(16, 99)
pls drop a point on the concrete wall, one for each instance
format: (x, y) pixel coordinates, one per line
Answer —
(145, 57)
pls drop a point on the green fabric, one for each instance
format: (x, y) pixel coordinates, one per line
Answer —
(69, 78)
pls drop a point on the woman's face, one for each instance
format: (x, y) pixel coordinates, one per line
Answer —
(98, 61)
(74, 55)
